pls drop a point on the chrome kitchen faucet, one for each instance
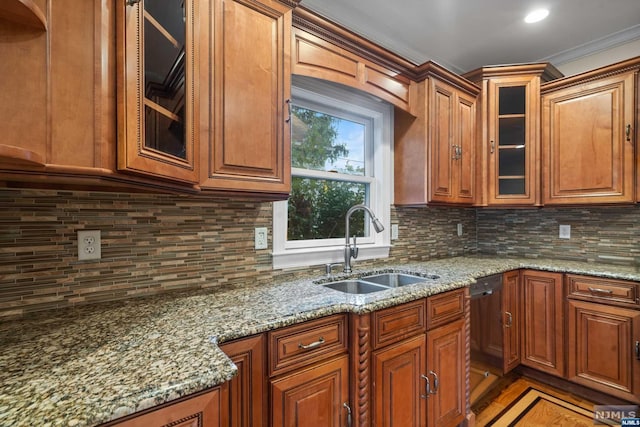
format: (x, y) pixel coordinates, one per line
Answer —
(352, 251)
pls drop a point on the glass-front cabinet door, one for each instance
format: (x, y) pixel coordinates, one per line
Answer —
(157, 107)
(513, 142)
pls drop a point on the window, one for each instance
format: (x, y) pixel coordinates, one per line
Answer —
(340, 157)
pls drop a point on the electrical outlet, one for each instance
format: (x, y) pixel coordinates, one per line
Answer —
(394, 231)
(261, 238)
(459, 229)
(565, 232)
(89, 245)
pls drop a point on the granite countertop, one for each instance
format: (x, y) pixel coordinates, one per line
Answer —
(93, 364)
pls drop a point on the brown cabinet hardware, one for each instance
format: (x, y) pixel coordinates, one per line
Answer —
(312, 345)
(509, 322)
(427, 387)
(436, 383)
(348, 408)
(600, 291)
(628, 132)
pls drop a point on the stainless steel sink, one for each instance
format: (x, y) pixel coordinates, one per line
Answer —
(355, 287)
(377, 282)
(394, 280)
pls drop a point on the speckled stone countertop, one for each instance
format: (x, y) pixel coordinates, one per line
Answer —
(93, 364)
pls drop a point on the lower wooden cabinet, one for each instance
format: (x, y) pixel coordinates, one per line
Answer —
(246, 392)
(604, 348)
(204, 410)
(446, 371)
(543, 340)
(399, 383)
(312, 397)
(421, 380)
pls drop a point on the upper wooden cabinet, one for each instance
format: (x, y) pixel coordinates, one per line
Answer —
(158, 116)
(247, 144)
(509, 158)
(588, 136)
(435, 151)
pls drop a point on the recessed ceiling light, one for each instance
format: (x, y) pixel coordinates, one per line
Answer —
(536, 15)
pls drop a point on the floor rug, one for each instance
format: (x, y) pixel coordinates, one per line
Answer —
(536, 408)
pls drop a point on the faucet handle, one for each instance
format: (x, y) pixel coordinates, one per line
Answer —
(354, 249)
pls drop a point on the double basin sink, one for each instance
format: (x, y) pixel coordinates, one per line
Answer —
(377, 283)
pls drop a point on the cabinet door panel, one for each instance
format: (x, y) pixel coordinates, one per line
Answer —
(601, 343)
(397, 386)
(465, 188)
(442, 150)
(446, 362)
(587, 156)
(249, 142)
(157, 110)
(511, 303)
(247, 390)
(543, 342)
(313, 397)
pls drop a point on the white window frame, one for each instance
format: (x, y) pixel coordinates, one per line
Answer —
(352, 105)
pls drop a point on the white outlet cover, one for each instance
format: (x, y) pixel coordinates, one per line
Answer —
(261, 241)
(565, 232)
(89, 245)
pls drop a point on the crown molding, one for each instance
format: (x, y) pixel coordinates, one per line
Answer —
(604, 43)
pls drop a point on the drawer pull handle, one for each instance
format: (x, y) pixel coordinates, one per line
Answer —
(493, 146)
(637, 350)
(436, 383)
(312, 345)
(509, 319)
(427, 387)
(348, 408)
(600, 291)
(628, 132)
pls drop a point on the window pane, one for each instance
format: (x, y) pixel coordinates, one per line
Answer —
(512, 100)
(324, 142)
(317, 208)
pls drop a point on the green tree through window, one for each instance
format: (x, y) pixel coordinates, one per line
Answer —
(317, 206)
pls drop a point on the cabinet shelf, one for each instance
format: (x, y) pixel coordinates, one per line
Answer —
(24, 12)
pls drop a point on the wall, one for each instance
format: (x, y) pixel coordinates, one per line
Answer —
(159, 243)
(598, 234)
(599, 59)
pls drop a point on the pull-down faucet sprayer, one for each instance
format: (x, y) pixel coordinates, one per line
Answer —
(352, 251)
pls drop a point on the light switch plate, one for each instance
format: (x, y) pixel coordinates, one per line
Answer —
(565, 232)
(394, 231)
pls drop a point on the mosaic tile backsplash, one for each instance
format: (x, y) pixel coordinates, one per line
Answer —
(160, 243)
(598, 234)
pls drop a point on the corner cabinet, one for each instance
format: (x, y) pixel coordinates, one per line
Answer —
(158, 106)
(509, 159)
(435, 151)
(247, 146)
(588, 136)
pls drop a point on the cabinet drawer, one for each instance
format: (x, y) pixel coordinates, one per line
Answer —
(589, 288)
(298, 345)
(397, 323)
(443, 308)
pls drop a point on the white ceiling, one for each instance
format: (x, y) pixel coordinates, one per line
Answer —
(463, 35)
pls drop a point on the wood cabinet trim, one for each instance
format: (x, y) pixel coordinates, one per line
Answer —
(629, 65)
(394, 324)
(286, 354)
(23, 12)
